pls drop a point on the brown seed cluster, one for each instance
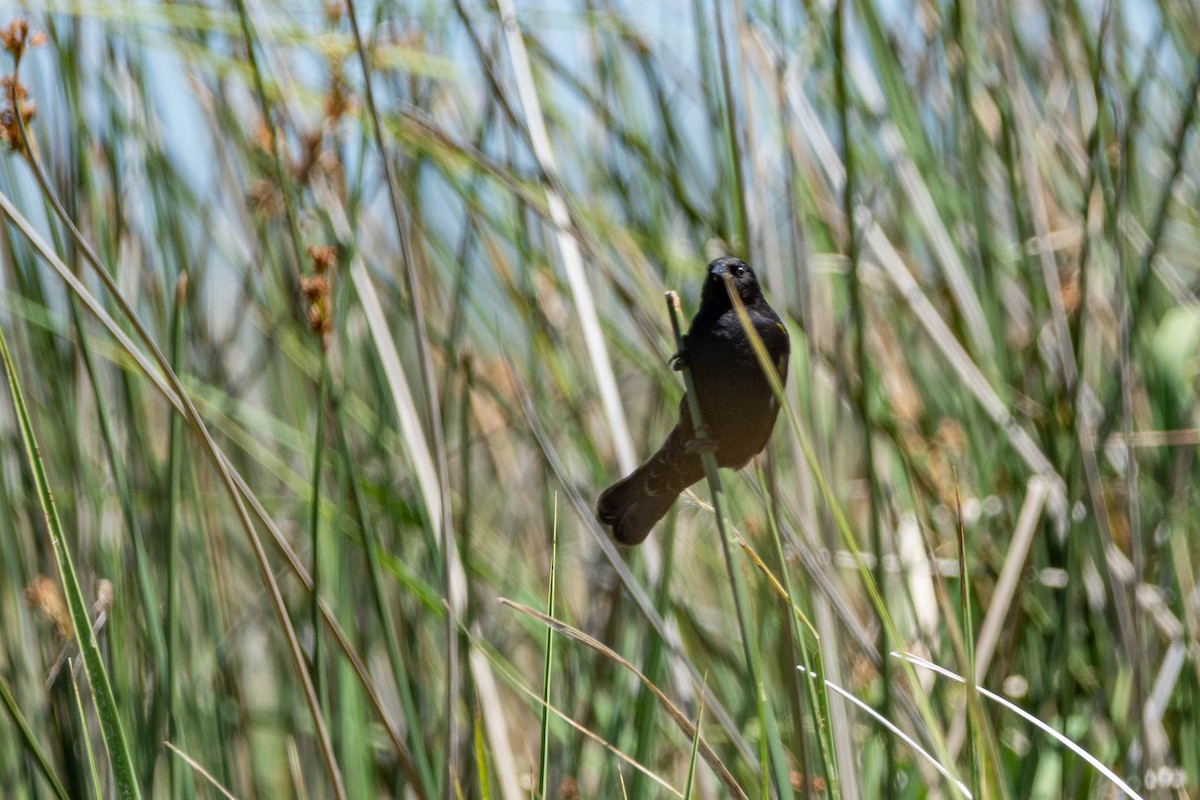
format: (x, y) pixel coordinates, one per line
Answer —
(304, 149)
(318, 291)
(568, 788)
(15, 108)
(816, 783)
(16, 39)
(14, 104)
(45, 595)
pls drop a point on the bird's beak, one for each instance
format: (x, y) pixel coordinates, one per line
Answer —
(718, 271)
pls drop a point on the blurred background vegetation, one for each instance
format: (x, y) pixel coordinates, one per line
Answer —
(380, 315)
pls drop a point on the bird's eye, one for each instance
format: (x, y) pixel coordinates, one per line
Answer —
(739, 271)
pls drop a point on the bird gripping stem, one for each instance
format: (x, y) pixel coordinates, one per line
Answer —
(741, 598)
(673, 311)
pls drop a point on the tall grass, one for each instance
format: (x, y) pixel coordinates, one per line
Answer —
(328, 323)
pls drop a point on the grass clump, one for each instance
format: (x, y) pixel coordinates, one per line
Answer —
(324, 325)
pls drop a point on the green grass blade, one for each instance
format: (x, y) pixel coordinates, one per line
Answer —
(691, 772)
(548, 664)
(88, 751)
(30, 741)
(120, 758)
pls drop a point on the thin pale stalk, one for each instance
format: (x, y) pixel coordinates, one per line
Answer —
(677, 716)
(453, 576)
(862, 394)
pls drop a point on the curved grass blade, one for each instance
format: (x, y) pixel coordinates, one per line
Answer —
(93, 662)
(31, 743)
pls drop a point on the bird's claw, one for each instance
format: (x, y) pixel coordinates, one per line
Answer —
(679, 360)
(701, 444)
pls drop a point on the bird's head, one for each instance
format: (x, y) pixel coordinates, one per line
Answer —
(744, 282)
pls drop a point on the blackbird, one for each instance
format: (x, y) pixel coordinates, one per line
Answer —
(736, 403)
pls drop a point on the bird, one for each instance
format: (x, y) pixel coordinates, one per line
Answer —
(737, 405)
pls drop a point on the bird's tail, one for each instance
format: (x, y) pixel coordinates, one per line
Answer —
(632, 505)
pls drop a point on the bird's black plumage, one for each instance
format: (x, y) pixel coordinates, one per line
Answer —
(736, 403)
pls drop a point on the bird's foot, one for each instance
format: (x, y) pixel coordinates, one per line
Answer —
(701, 444)
(679, 360)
